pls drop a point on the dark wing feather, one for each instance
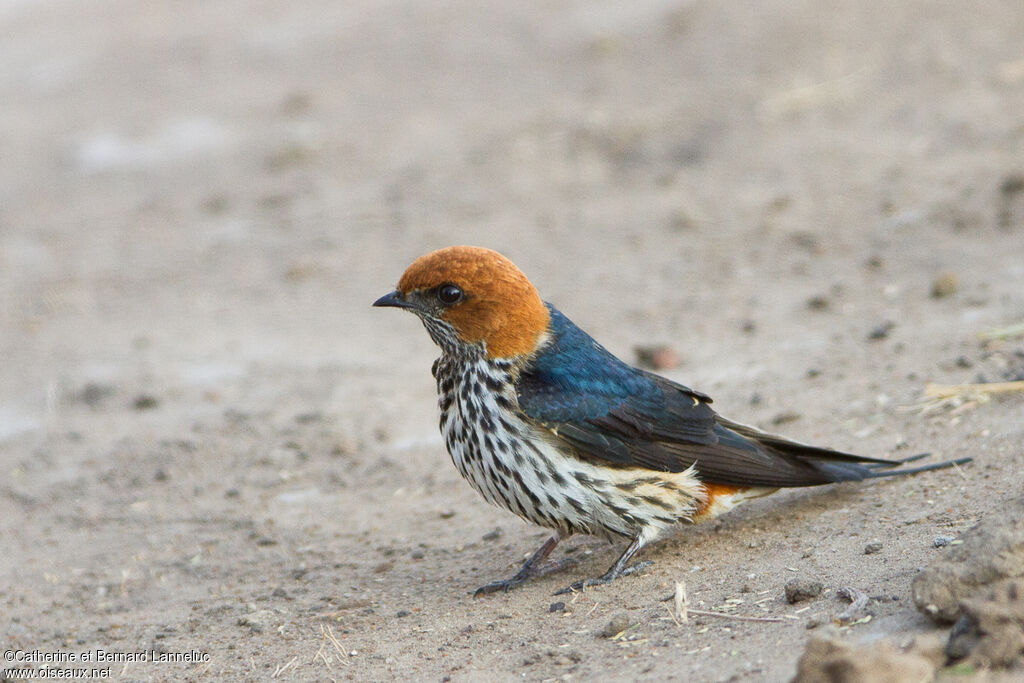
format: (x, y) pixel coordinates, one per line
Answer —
(603, 410)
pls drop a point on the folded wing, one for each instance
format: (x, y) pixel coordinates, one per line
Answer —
(594, 405)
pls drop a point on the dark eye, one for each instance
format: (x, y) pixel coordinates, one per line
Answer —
(449, 294)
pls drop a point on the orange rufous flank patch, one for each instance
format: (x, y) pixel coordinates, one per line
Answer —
(718, 496)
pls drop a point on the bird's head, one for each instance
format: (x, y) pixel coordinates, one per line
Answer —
(471, 297)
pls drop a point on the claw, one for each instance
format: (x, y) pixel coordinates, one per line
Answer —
(529, 570)
(581, 585)
(578, 586)
(639, 566)
(522, 577)
(499, 586)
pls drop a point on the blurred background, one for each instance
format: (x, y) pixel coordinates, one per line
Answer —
(189, 189)
(200, 200)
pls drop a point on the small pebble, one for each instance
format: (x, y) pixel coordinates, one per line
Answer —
(657, 357)
(256, 621)
(492, 535)
(783, 418)
(818, 303)
(402, 613)
(556, 607)
(619, 622)
(92, 394)
(447, 514)
(942, 541)
(808, 241)
(416, 554)
(945, 285)
(881, 331)
(680, 221)
(145, 402)
(1012, 184)
(873, 547)
(802, 588)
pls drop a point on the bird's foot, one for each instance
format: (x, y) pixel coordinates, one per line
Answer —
(522, 576)
(503, 586)
(607, 578)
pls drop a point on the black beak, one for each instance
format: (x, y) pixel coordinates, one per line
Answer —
(394, 299)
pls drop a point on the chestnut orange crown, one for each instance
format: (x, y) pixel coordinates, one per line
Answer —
(480, 293)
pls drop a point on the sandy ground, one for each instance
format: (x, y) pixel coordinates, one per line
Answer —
(210, 443)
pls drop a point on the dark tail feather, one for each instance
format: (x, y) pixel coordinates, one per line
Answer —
(901, 461)
(802, 450)
(745, 456)
(922, 468)
(854, 472)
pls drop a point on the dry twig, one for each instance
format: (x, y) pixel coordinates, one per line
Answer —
(329, 637)
(943, 391)
(721, 615)
(282, 669)
(737, 617)
(962, 396)
(682, 604)
(858, 601)
(1008, 332)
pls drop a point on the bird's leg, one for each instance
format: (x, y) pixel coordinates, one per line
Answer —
(529, 570)
(618, 569)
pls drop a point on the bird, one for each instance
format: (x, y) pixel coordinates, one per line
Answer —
(546, 423)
